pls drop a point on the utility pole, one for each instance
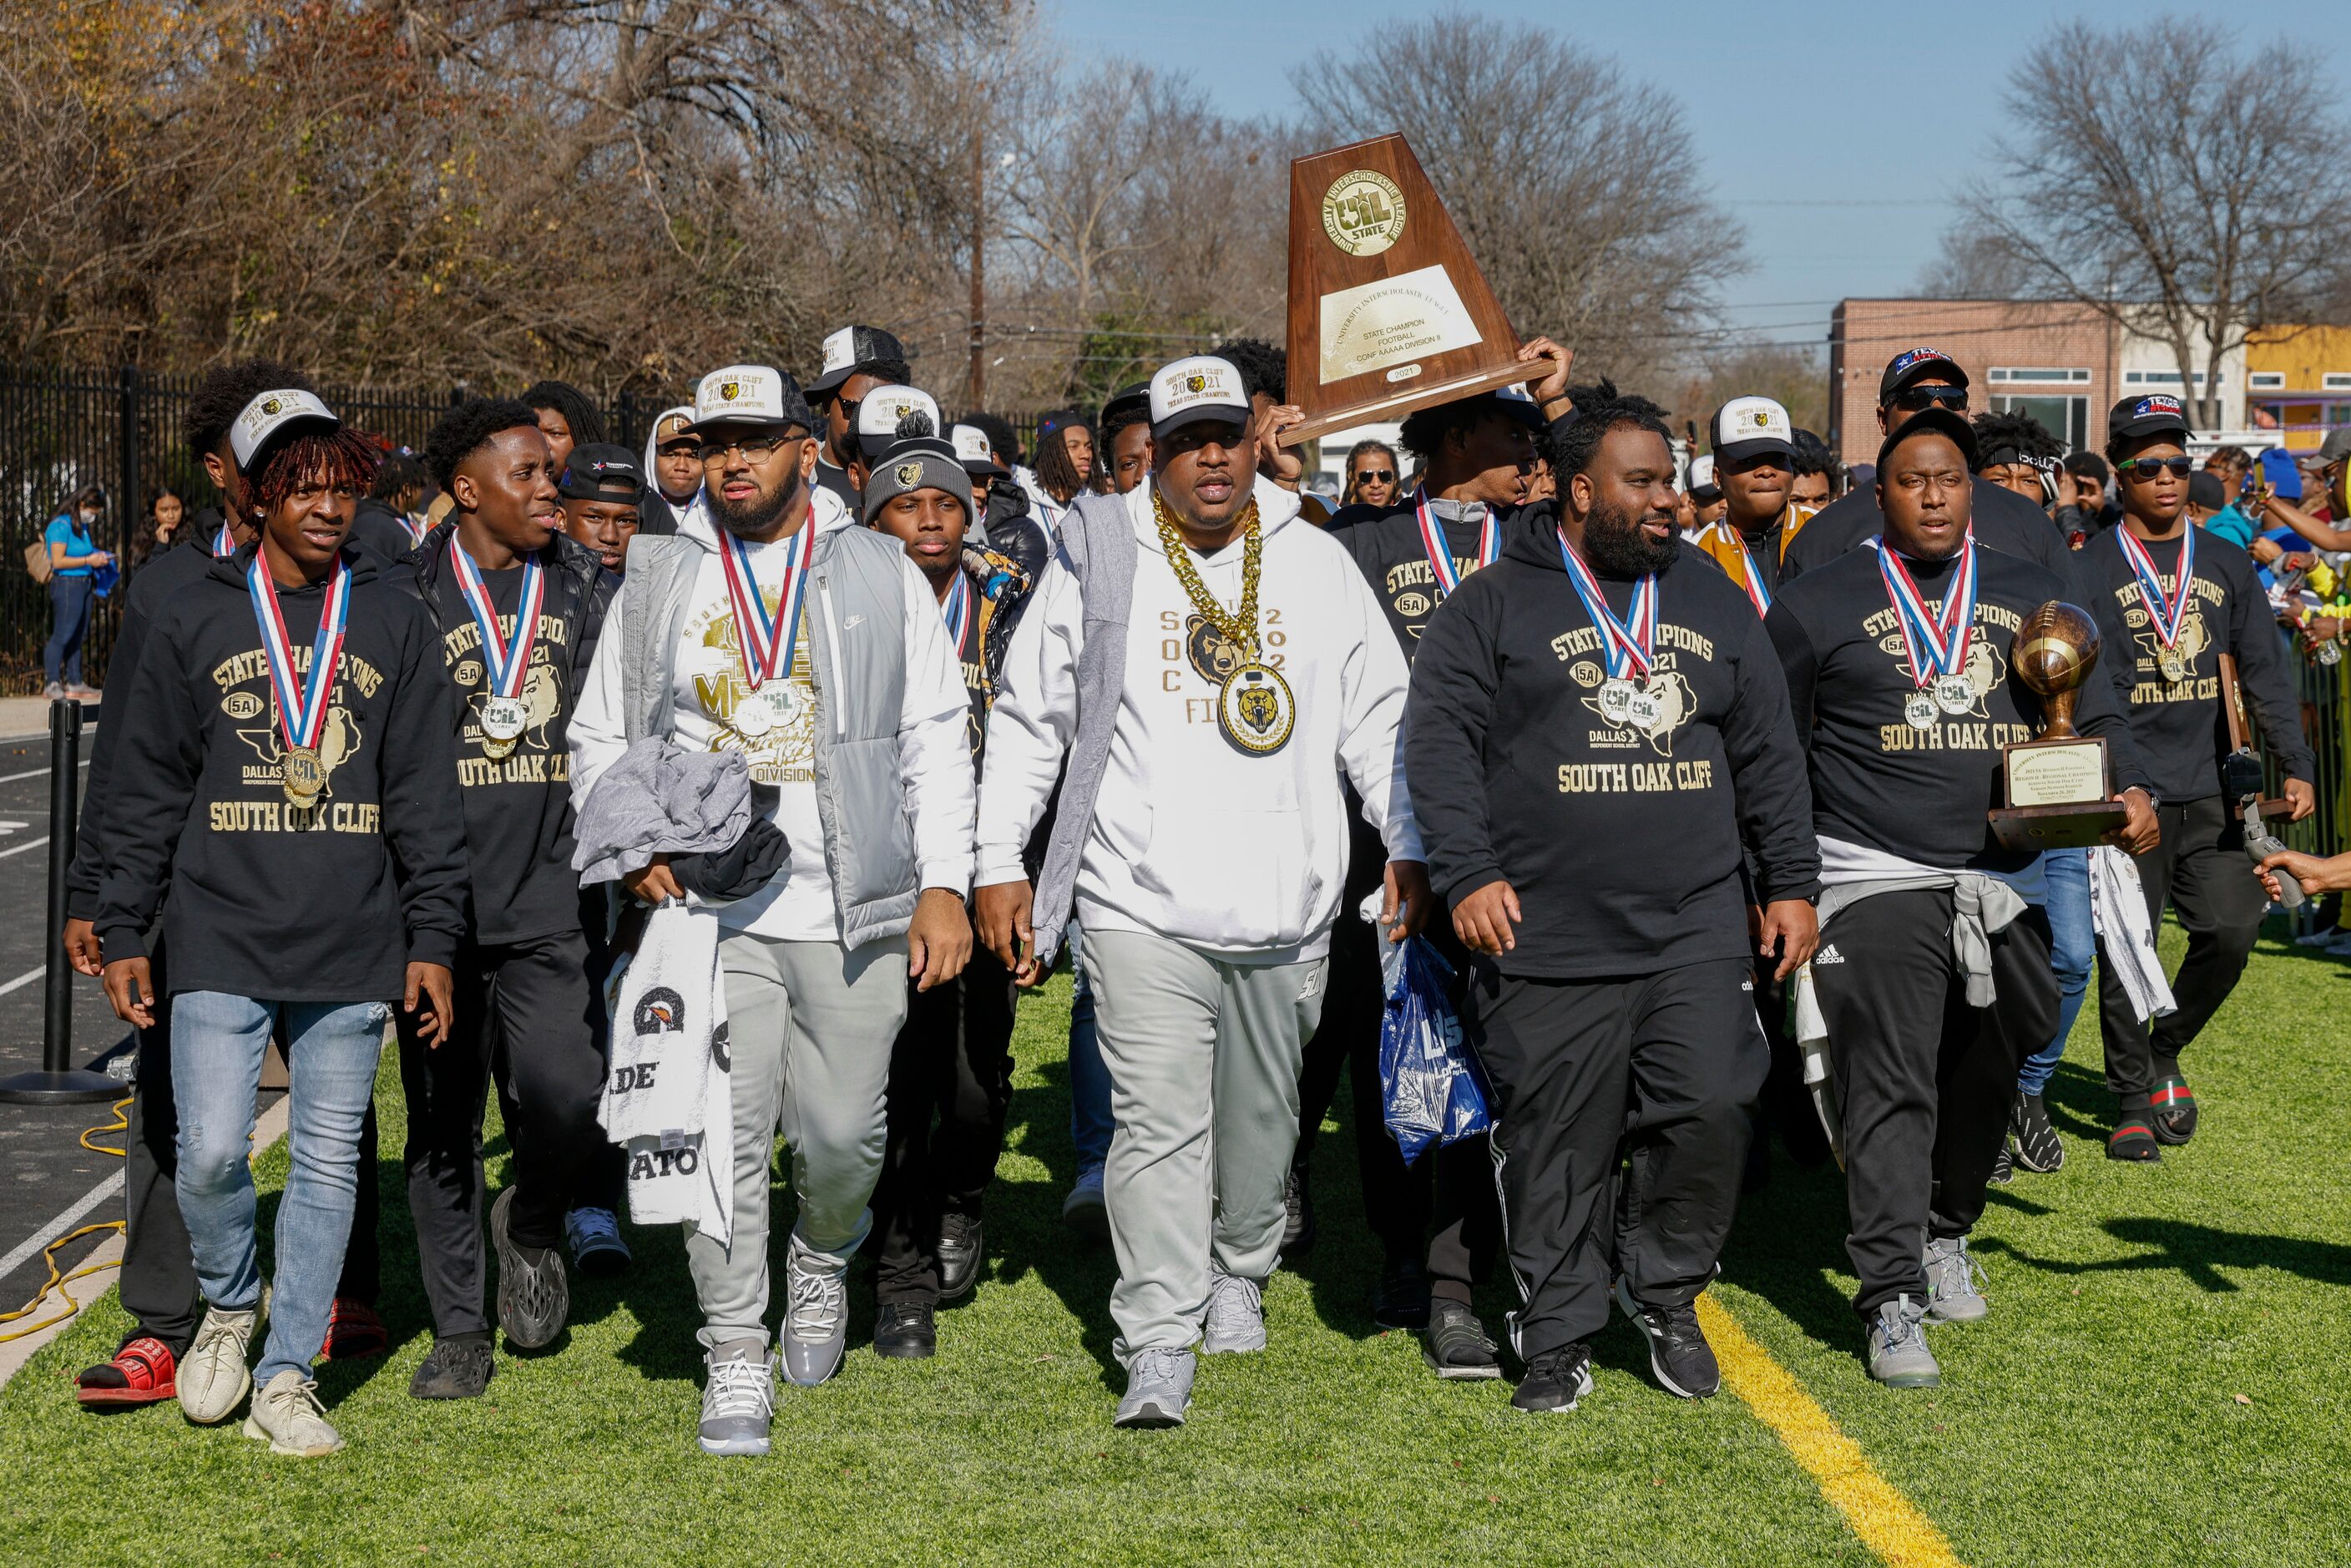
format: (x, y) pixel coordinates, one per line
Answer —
(979, 268)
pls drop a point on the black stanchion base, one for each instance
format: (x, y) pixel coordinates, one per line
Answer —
(72, 1087)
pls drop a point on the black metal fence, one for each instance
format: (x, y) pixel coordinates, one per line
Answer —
(64, 428)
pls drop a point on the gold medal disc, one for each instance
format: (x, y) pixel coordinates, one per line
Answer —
(1256, 710)
(304, 775)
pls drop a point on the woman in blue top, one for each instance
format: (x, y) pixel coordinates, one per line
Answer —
(73, 554)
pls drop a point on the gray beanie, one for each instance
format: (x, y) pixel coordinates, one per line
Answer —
(919, 463)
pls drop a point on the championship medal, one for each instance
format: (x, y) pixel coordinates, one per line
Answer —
(301, 709)
(505, 665)
(1256, 710)
(2169, 616)
(765, 641)
(1440, 556)
(2330, 652)
(1627, 696)
(1938, 647)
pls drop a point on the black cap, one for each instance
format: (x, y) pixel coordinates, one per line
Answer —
(2136, 416)
(852, 348)
(1938, 420)
(1136, 397)
(2204, 490)
(601, 471)
(1916, 364)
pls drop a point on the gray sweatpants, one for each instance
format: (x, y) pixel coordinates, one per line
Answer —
(808, 1025)
(1203, 1056)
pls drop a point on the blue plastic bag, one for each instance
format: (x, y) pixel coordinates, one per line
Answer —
(1430, 1090)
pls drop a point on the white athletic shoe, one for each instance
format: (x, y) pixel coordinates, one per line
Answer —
(286, 1415)
(213, 1376)
(1236, 1316)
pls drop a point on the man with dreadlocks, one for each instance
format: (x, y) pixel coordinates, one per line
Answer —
(286, 750)
(159, 1278)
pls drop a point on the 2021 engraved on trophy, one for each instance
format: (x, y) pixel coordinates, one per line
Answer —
(1385, 303)
(2059, 787)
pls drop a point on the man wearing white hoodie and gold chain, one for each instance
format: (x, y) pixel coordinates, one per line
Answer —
(1207, 665)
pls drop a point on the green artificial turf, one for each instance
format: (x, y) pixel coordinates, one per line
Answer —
(2095, 1418)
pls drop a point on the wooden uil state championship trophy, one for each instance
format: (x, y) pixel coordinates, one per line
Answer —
(2060, 788)
(1387, 311)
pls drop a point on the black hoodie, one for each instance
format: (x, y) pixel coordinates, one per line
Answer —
(1624, 848)
(1878, 780)
(324, 903)
(517, 808)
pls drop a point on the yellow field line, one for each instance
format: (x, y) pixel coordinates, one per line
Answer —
(1883, 1518)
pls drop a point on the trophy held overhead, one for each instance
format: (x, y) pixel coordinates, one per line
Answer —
(1388, 312)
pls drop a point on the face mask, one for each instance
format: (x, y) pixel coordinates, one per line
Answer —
(89, 515)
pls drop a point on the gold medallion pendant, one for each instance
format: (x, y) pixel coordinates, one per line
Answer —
(303, 774)
(1255, 711)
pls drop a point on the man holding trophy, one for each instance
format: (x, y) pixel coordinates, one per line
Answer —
(1901, 672)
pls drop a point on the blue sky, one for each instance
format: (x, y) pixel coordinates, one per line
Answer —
(1833, 132)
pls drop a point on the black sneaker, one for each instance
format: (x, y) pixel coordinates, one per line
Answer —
(1297, 1223)
(961, 1253)
(1678, 1353)
(1456, 1346)
(2038, 1147)
(2174, 1106)
(2003, 1166)
(905, 1331)
(1555, 1380)
(454, 1369)
(1403, 1299)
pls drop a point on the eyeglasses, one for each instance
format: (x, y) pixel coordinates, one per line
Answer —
(1375, 476)
(755, 448)
(1916, 399)
(2146, 469)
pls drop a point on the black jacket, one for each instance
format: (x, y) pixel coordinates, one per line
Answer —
(1878, 780)
(323, 903)
(518, 808)
(1624, 848)
(2181, 729)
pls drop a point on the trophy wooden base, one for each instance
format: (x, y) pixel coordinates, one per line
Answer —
(2031, 829)
(1407, 397)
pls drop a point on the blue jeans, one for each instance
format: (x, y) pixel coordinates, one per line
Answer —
(1090, 1119)
(217, 1041)
(2072, 944)
(69, 626)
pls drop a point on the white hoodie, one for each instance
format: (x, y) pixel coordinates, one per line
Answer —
(1241, 856)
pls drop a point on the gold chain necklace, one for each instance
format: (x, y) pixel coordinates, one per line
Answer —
(1239, 628)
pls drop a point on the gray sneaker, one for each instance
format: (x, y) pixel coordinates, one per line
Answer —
(738, 1400)
(1898, 1356)
(534, 1292)
(1951, 1276)
(1158, 1389)
(213, 1375)
(815, 1317)
(286, 1415)
(1236, 1316)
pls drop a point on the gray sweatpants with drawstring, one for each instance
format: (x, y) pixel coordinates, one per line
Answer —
(1202, 1055)
(808, 1025)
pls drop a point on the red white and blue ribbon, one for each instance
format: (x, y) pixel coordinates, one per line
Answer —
(2169, 614)
(301, 710)
(1749, 577)
(958, 610)
(1937, 647)
(766, 641)
(509, 663)
(224, 543)
(1629, 644)
(1440, 556)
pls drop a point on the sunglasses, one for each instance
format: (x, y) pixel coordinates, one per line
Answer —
(1375, 476)
(2146, 469)
(1917, 400)
(755, 449)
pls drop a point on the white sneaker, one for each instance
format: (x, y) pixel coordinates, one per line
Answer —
(213, 1376)
(1236, 1316)
(288, 1417)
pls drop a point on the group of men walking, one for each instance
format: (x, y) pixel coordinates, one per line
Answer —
(890, 732)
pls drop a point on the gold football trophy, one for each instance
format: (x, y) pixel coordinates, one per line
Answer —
(2059, 787)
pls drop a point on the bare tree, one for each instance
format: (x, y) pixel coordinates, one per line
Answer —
(1576, 188)
(2183, 189)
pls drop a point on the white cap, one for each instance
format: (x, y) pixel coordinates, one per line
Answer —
(1747, 425)
(1202, 387)
(973, 450)
(1701, 472)
(879, 412)
(749, 394)
(265, 416)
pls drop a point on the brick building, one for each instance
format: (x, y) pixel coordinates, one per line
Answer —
(2064, 364)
